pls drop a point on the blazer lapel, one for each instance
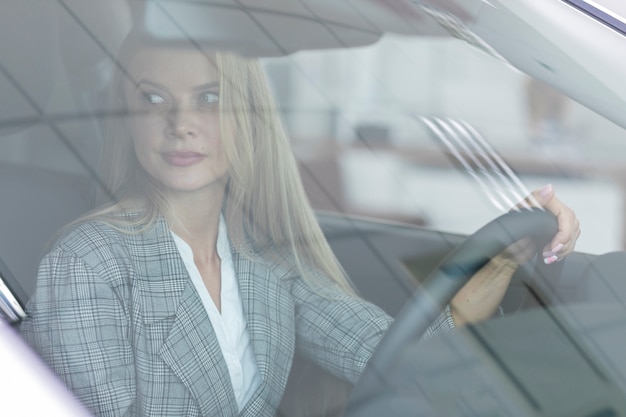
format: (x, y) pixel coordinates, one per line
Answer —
(190, 347)
(193, 352)
(270, 318)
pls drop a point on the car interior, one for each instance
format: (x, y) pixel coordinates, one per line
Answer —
(47, 178)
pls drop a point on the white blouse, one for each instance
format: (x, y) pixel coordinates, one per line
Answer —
(230, 326)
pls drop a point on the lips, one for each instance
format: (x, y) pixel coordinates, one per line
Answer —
(182, 158)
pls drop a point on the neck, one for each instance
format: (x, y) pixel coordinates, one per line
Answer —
(196, 220)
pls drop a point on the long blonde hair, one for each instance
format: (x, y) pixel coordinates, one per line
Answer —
(265, 205)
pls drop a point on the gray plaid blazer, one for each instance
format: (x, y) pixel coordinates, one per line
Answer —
(118, 319)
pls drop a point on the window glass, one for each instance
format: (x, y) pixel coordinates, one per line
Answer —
(354, 120)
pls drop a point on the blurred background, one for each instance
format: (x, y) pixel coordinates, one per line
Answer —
(352, 117)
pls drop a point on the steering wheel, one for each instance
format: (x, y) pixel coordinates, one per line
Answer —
(428, 303)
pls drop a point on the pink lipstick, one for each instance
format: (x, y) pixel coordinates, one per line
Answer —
(182, 158)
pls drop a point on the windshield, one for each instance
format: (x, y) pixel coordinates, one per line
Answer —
(206, 205)
(361, 110)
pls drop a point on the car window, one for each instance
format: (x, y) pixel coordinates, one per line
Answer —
(138, 285)
(354, 119)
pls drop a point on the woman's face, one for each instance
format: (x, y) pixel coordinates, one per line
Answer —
(175, 123)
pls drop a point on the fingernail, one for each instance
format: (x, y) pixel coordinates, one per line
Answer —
(546, 190)
(550, 259)
(557, 248)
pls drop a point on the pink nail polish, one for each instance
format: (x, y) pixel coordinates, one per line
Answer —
(557, 248)
(547, 189)
(550, 259)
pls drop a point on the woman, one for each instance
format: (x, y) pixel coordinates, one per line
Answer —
(190, 294)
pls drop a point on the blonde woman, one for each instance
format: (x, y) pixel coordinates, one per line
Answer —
(191, 293)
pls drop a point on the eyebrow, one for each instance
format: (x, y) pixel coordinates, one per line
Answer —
(151, 83)
(207, 86)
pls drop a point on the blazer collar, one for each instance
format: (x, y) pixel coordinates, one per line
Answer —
(191, 348)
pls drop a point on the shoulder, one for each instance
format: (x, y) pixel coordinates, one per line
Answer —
(98, 241)
(88, 235)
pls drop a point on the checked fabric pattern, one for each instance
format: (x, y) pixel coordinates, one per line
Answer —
(117, 318)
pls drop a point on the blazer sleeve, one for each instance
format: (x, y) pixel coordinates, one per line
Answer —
(80, 328)
(340, 331)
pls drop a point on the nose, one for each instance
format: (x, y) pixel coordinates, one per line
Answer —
(182, 123)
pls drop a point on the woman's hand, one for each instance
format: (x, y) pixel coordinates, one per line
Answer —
(480, 297)
(564, 241)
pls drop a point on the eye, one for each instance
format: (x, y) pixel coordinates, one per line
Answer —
(153, 98)
(209, 98)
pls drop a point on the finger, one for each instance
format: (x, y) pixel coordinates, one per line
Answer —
(568, 227)
(564, 240)
(570, 245)
(538, 198)
(543, 196)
